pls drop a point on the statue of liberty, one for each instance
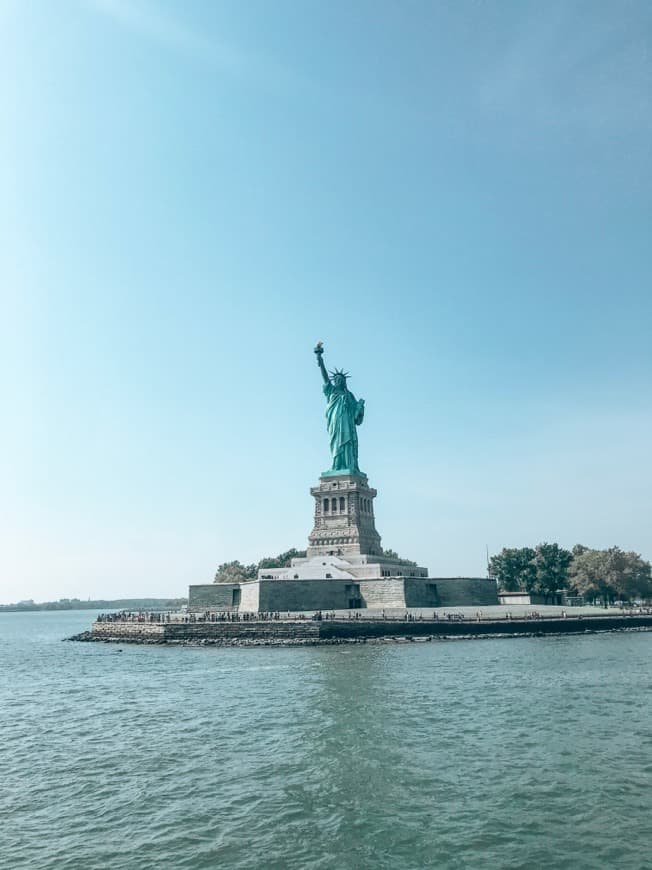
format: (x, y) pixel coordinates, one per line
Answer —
(343, 413)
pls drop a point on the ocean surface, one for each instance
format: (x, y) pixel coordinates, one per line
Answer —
(520, 753)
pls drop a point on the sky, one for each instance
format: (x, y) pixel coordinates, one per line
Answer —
(455, 197)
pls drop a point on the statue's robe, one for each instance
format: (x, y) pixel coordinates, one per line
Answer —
(343, 414)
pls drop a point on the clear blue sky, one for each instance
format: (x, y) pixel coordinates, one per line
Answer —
(454, 197)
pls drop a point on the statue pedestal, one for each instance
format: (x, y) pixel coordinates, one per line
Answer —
(344, 517)
(343, 473)
(344, 568)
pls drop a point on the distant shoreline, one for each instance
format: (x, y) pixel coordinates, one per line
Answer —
(99, 604)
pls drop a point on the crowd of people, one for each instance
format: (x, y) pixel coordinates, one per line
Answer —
(139, 616)
(319, 615)
(205, 616)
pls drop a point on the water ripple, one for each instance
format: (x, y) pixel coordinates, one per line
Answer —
(525, 753)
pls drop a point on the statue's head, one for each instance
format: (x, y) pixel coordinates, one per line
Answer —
(338, 379)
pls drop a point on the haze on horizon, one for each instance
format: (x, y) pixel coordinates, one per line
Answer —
(455, 198)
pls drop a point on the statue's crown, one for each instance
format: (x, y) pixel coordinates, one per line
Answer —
(340, 372)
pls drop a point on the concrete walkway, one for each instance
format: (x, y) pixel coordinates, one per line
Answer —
(498, 611)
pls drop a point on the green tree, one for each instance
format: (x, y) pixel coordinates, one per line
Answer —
(609, 574)
(234, 572)
(514, 569)
(589, 576)
(631, 574)
(578, 549)
(551, 563)
(283, 560)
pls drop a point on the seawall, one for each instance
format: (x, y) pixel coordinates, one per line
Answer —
(256, 632)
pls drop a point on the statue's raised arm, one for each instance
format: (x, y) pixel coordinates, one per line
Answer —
(319, 351)
(343, 413)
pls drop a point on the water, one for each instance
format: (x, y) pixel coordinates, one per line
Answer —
(524, 753)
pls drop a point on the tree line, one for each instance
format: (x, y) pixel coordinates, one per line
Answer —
(604, 575)
(98, 604)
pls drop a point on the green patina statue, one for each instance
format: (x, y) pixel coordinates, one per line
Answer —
(343, 413)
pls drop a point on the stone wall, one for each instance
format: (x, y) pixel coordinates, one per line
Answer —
(465, 591)
(243, 630)
(343, 630)
(392, 592)
(250, 596)
(128, 630)
(277, 595)
(421, 592)
(370, 629)
(211, 596)
(336, 594)
(385, 593)
(211, 632)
